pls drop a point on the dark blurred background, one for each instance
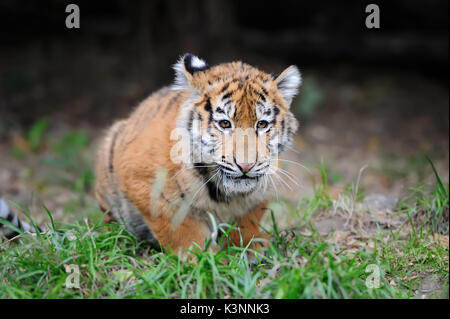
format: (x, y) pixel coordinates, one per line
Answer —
(124, 49)
(370, 96)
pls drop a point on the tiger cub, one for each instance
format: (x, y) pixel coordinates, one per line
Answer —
(229, 122)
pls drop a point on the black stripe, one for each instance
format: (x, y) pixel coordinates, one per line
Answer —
(191, 120)
(210, 110)
(10, 216)
(226, 96)
(19, 223)
(203, 171)
(12, 235)
(171, 103)
(280, 147)
(111, 152)
(263, 98)
(264, 90)
(208, 107)
(276, 110)
(225, 87)
(215, 193)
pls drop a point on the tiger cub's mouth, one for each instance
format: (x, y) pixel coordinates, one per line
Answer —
(243, 177)
(238, 176)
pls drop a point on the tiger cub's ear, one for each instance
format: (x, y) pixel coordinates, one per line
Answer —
(288, 83)
(185, 69)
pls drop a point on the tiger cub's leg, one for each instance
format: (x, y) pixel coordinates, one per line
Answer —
(180, 238)
(249, 228)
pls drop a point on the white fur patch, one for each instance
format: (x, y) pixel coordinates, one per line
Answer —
(181, 81)
(197, 63)
(288, 83)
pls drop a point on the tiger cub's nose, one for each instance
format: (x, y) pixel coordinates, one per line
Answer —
(245, 167)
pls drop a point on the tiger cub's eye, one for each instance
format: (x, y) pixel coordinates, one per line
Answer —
(262, 124)
(225, 124)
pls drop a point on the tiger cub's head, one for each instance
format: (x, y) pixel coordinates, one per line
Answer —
(238, 119)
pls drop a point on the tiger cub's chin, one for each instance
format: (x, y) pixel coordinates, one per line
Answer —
(241, 185)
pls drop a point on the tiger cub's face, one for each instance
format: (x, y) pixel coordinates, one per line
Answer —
(238, 120)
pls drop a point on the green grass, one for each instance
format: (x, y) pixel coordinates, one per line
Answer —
(300, 263)
(113, 264)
